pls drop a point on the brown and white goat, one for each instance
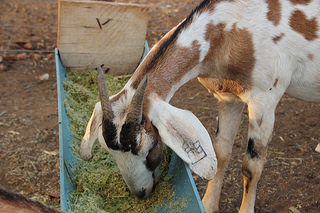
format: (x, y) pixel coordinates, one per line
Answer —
(244, 52)
(14, 203)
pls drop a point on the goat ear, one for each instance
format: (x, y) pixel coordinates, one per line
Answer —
(182, 131)
(91, 134)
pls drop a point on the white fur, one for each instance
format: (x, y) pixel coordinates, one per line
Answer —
(119, 107)
(134, 171)
(286, 62)
(196, 32)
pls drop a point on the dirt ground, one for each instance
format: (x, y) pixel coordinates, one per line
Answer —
(29, 124)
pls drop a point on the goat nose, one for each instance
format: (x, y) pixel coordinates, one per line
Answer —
(141, 194)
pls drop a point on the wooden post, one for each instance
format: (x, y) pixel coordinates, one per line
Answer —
(91, 33)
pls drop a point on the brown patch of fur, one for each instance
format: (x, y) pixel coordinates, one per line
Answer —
(241, 57)
(215, 85)
(274, 13)
(154, 156)
(275, 82)
(310, 56)
(300, 24)
(216, 36)
(300, 1)
(276, 39)
(143, 70)
(117, 97)
(178, 60)
(11, 202)
(230, 57)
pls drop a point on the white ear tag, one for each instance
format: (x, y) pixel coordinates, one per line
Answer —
(184, 134)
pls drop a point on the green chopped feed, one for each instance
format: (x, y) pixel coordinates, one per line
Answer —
(100, 186)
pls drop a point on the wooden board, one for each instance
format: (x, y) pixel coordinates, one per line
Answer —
(91, 33)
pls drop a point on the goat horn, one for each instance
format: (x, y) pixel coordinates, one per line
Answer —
(104, 96)
(135, 108)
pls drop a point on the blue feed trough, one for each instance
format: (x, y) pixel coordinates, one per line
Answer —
(184, 185)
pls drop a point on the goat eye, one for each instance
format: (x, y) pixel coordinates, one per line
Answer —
(137, 127)
(154, 157)
(142, 121)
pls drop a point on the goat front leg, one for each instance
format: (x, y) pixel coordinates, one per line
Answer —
(261, 122)
(228, 125)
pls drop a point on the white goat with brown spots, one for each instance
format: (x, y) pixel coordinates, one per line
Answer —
(244, 52)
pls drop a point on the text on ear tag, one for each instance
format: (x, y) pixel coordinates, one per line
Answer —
(194, 150)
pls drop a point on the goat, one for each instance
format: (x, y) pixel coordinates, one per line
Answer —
(244, 52)
(12, 202)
